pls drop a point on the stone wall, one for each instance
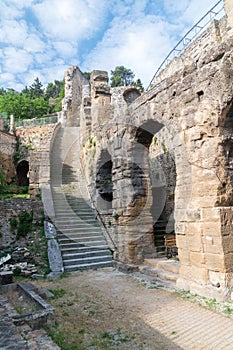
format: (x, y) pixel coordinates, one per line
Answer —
(74, 80)
(34, 146)
(168, 154)
(7, 150)
(10, 209)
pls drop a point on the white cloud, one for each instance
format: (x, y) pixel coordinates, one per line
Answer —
(137, 44)
(70, 19)
(65, 49)
(13, 32)
(16, 60)
(42, 38)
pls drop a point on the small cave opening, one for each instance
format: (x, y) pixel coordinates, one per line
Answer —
(22, 170)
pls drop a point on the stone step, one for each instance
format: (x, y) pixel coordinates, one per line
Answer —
(81, 229)
(78, 227)
(94, 265)
(80, 235)
(74, 247)
(165, 264)
(66, 254)
(160, 275)
(85, 243)
(87, 260)
(78, 220)
(163, 269)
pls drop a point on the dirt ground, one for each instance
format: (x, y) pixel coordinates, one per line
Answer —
(106, 309)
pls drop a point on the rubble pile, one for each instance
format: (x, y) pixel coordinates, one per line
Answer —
(19, 262)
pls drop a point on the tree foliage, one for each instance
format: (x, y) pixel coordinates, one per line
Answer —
(121, 76)
(33, 101)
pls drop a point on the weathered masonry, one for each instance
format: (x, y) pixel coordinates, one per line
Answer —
(165, 159)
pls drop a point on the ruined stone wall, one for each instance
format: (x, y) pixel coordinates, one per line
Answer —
(74, 80)
(229, 11)
(7, 150)
(10, 209)
(34, 146)
(179, 133)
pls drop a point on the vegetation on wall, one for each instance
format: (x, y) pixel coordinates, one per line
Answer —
(122, 76)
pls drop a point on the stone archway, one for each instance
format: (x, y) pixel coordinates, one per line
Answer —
(22, 170)
(104, 184)
(156, 160)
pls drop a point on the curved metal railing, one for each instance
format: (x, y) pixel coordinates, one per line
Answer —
(189, 37)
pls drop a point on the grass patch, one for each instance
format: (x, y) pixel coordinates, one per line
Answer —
(13, 191)
(57, 293)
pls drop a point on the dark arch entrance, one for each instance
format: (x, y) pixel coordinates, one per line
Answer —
(104, 179)
(152, 151)
(22, 173)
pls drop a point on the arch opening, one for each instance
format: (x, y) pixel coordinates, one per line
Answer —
(22, 170)
(153, 153)
(104, 184)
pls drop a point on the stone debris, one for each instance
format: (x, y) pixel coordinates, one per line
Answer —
(4, 259)
(21, 262)
(24, 268)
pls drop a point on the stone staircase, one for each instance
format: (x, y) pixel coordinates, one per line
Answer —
(164, 271)
(80, 237)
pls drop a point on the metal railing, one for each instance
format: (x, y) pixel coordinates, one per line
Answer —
(53, 119)
(189, 37)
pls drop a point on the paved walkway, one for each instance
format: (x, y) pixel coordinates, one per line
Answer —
(189, 325)
(192, 327)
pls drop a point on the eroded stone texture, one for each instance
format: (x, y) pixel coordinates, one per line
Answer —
(167, 156)
(7, 151)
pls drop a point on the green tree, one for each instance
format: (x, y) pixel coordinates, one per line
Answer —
(2, 91)
(36, 89)
(22, 106)
(138, 84)
(54, 94)
(121, 76)
(87, 75)
(54, 89)
(10, 103)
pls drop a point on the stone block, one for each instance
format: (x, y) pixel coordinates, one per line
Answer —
(211, 229)
(227, 244)
(194, 228)
(184, 256)
(180, 228)
(6, 277)
(229, 262)
(215, 262)
(194, 273)
(212, 244)
(193, 214)
(210, 214)
(197, 259)
(195, 243)
(182, 242)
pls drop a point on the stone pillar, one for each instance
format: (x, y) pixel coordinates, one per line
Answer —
(12, 124)
(100, 98)
(228, 6)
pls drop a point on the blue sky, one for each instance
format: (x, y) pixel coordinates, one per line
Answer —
(42, 38)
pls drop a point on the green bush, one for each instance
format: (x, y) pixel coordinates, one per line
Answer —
(25, 223)
(1, 179)
(13, 223)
